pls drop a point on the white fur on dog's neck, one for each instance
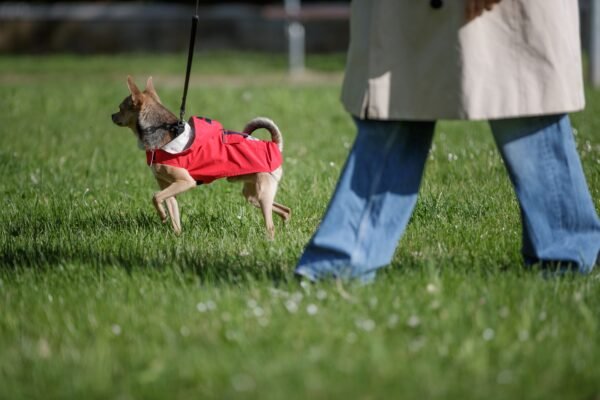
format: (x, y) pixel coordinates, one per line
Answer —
(179, 144)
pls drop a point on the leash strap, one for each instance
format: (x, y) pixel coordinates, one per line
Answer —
(188, 68)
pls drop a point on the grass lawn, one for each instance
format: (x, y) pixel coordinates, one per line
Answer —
(98, 299)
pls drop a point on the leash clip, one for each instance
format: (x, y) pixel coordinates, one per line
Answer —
(180, 127)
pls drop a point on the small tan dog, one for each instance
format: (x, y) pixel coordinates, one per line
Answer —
(182, 156)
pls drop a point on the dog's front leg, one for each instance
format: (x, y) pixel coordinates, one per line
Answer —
(172, 208)
(168, 195)
(172, 181)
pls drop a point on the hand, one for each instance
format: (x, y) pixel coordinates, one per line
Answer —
(474, 8)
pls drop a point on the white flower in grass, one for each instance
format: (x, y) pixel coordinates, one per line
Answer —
(452, 157)
(247, 96)
(43, 348)
(314, 353)
(392, 320)
(278, 293)
(305, 286)
(232, 336)
(297, 297)
(415, 345)
(258, 311)
(291, 306)
(251, 303)
(321, 294)
(373, 302)
(312, 309)
(243, 383)
(505, 377)
(488, 334)
(351, 337)
(523, 335)
(201, 307)
(226, 317)
(116, 329)
(431, 288)
(366, 324)
(414, 321)
(34, 178)
(331, 164)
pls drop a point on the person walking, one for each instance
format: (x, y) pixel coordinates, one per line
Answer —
(515, 63)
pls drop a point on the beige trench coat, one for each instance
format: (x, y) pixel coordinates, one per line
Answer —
(408, 61)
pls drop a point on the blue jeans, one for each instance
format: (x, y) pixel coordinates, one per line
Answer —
(377, 192)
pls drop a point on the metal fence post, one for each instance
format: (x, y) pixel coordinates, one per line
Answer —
(295, 33)
(594, 52)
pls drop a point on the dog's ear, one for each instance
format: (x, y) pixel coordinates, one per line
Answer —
(150, 89)
(136, 94)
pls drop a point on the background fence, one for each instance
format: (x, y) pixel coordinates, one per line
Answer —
(153, 26)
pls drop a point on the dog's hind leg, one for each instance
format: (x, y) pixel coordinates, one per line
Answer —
(266, 207)
(261, 197)
(266, 188)
(250, 193)
(283, 211)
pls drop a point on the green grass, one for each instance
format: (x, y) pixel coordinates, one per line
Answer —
(98, 299)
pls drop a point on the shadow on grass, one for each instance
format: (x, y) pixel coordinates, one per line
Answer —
(134, 241)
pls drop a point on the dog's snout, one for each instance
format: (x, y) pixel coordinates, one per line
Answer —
(115, 119)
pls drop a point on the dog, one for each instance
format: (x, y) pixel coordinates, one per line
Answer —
(183, 155)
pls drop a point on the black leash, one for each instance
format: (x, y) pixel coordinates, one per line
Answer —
(181, 125)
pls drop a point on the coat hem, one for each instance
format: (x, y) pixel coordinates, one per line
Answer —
(461, 117)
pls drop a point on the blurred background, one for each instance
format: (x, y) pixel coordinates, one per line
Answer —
(93, 27)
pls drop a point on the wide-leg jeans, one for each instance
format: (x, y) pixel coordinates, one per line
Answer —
(378, 188)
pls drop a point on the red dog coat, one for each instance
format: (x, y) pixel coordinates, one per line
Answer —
(217, 153)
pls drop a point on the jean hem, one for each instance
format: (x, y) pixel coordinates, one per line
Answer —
(333, 271)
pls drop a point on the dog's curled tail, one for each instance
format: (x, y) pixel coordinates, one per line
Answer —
(266, 123)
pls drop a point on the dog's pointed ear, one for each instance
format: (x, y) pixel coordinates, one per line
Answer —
(134, 90)
(150, 85)
(150, 89)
